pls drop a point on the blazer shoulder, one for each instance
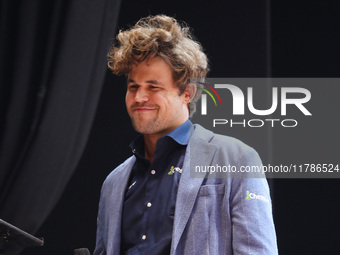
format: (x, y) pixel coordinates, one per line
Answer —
(120, 171)
(228, 144)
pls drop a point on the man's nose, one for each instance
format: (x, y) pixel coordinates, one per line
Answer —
(141, 95)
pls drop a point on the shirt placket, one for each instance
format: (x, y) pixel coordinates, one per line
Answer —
(151, 186)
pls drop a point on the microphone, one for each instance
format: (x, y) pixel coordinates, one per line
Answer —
(81, 251)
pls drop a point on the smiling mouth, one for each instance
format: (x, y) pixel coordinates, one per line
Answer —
(142, 109)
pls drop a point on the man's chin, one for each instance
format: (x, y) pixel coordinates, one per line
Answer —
(142, 127)
(145, 131)
(149, 129)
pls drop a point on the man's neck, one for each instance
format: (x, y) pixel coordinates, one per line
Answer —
(150, 141)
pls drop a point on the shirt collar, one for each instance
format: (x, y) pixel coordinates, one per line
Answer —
(180, 135)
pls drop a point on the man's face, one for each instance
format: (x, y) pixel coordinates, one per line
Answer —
(152, 98)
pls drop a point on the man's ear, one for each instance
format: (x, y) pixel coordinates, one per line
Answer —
(190, 92)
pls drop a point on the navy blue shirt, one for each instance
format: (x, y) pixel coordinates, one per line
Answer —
(150, 199)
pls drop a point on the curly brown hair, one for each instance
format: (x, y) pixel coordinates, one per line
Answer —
(161, 36)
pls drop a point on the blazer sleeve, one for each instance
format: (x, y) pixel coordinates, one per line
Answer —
(100, 244)
(253, 229)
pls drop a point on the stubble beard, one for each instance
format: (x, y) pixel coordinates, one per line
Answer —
(147, 126)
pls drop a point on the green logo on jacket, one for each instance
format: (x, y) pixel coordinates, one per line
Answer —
(251, 196)
(174, 169)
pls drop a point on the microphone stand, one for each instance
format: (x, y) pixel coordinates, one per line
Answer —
(13, 239)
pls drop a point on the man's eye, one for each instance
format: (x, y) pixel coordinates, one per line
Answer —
(133, 87)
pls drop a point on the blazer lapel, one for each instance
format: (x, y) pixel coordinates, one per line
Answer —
(199, 152)
(117, 194)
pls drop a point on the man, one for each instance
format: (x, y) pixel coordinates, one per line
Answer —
(149, 204)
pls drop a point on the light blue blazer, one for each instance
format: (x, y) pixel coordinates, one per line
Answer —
(214, 216)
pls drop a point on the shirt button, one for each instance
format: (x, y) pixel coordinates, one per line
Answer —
(149, 204)
(143, 237)
(153, 171)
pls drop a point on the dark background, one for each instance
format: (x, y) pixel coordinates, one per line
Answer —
(242, 39)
